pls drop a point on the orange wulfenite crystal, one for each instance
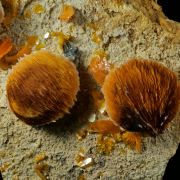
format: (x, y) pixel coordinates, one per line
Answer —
(81, 134)
(103, 127)
(81, 177)
(13, 59)
(40, 169)
(27, 14)
(40, 157)
(105, 145)
(62, 38)
(67, 13)
(4, 167)
(92, 26)
(82, 161)
(5, 47)
(99, 67)
(31, 40)
(38, 9)
(26, 49)
(40, 46)
(133, 140)
(96, 38)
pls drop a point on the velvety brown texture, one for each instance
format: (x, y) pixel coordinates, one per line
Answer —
(42, 88)
(142, 95)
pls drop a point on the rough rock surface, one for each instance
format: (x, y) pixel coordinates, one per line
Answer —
(128, 30)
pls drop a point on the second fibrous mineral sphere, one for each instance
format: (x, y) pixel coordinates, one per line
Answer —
(142, 95)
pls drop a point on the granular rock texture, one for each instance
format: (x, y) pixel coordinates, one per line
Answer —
(128, 29)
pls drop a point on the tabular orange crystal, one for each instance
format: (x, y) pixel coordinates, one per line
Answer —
(67, 13)
(5, 47)
(92, 26)
(103, 127)
(96, 38)
(82, 161)
(99, 67)
(81, 177)
(133, 140)
(13, 59)
(117, 137)
(40, 46)
(62, 38)
(27, 14)
(40, 157)
(38, 9)
(40, 169)
(4, 167)
(31, 40)
(81, 134)
(105, 145)
(26, 49)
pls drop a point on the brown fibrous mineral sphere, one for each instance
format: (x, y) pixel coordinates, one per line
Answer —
(42, 88)
(142, 96)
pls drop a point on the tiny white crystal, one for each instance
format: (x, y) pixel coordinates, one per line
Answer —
(46, 35)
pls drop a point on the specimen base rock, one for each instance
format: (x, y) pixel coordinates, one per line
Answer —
(137, 29)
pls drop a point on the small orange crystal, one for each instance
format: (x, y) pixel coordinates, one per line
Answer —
(13, 59)
(5, 47)
(105, 144)
(92, 26)
(82, 161)
(31, 40)
(40, 157)
(96, 38)
(27, 14)
(133, 139)
(4, 167)
(67, 13)
(38, 9)
(99, 67)
(104, 127)
(62, 38)
(40, 46)
(40, 169)
(26, 49)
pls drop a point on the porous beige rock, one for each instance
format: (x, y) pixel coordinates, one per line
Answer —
(129, 29)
